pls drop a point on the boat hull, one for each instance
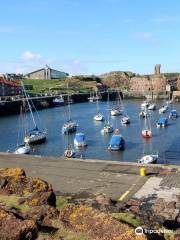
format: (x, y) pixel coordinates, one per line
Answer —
(35, 139)
(23, 150)
(99, 118)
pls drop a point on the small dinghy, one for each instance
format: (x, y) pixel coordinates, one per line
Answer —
(69, 153)
(163, 109)
(152, 106)
(80, 140)
(108, 128)
(144, 105)
(143, 114)
(117, 142)
(173, 114)
(125, 120)
(116, 112)
(58, 101)
(163, 122)
(146, 133)
(23, 149)
(99, 117)
(148, 159)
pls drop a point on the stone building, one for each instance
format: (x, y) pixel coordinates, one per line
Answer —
(9, 88)
(46, 73)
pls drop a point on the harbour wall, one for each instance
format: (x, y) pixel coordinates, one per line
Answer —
(13, 106)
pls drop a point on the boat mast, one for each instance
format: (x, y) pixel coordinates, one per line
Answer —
(29, 105)
(97, 103)
(108, 108)
(69, 107)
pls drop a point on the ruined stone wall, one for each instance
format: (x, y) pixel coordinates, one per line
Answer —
(145, 84)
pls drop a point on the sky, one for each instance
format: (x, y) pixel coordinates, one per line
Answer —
(89, 36)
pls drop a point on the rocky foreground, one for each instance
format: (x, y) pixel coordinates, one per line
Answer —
(29, 209)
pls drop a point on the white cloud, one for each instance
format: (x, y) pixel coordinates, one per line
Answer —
(146, 36)
(165, 19)
(29, 56)
(128, 20)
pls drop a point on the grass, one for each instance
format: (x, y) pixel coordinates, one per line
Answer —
(12, 202)
(62, 233)
(126, 218)
(45, 86)
(61, 202)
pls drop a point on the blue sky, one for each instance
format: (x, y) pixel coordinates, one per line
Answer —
(90, 37)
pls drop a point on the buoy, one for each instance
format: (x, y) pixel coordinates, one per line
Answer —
(142, 172)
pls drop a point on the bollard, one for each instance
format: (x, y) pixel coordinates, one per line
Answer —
(142, 172)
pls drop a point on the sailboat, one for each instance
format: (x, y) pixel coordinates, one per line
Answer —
(108, 127)
(146, 132)
(116, 111)
(69, 126)
(23, 148)
(125, 120)
(34, 135)
(99, 116)
(148, 156)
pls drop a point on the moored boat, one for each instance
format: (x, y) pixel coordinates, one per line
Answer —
(173, 114)
(69, 153)
(125, 119)
(80, 140)
(23, 149)
(152, 106)
(99, 116)
(69, 126)
(143, 114)
(58, 101)
(117, 142)
(148, 159)
(163, 109)
(162, 122)
(144, 105)
(35, 136)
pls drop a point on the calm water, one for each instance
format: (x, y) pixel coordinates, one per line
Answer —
(165, 141)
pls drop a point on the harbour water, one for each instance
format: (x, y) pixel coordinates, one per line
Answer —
(164, 141)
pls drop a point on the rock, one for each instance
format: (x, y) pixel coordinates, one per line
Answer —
(134, 209)
(12, 228)
(42, 215)
(133, 202)
(42, 198)
(96, 224)
(22, 185)
(12, 172)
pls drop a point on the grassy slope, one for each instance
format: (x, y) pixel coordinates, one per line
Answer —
(40, 86)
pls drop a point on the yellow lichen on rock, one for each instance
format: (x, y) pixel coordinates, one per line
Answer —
(98, 225)
(10, 172)
(40, 185)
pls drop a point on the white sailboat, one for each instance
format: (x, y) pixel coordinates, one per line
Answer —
(148, 156)
(116, 111)
(69, 126)
(108, 127)
(22, 148)
(34, 135)
(99, 116)
(147, 132)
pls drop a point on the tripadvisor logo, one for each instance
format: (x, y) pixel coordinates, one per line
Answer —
(139, 231)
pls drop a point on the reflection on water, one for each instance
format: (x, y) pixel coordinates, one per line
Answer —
(164, 140)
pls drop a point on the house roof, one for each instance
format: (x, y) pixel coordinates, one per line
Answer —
(44, 69)
(10, 83)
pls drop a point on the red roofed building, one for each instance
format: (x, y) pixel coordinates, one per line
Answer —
(9, 88)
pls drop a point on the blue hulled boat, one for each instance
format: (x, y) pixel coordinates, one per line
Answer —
(116, 143)
(80, 140)
(173, 114)
(163, 122)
